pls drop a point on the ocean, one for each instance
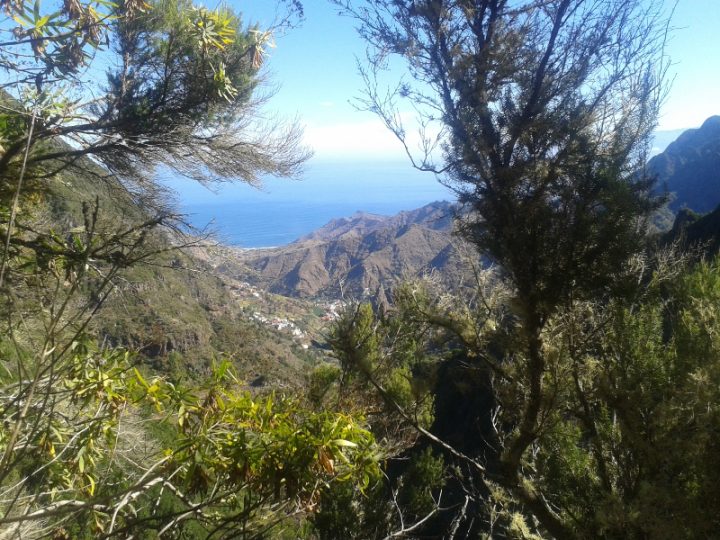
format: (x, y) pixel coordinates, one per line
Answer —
(284, 210)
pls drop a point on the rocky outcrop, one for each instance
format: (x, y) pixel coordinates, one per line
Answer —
(362, 255)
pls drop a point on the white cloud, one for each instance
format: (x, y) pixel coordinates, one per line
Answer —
(358, 139)
(362, 139)
(691, 111)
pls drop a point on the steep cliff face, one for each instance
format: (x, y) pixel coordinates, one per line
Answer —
(690, 168)
(361, 255)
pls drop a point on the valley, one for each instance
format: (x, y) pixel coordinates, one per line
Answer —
(537, 359)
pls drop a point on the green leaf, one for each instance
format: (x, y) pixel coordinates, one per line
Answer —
(23, 21)
(344, 443)
(91, 489)
(140, 378)
(42, 22)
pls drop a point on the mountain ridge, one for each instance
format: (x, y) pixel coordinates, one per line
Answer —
(361, 255)
(689, 168)
(436, 215)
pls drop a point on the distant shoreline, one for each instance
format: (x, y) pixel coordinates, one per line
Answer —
(259, 248)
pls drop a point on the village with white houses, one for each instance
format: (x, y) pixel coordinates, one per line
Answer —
(327, 311)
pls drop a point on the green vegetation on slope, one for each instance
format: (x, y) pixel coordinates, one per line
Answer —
(571, 394)
(93, 441)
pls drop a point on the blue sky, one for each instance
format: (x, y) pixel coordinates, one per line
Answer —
(316, 69)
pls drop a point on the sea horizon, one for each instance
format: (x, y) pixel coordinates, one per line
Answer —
(284, 210)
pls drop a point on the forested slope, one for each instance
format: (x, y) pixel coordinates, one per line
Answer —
(124, 413)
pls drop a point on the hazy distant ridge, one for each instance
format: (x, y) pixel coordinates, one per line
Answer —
(690, 168)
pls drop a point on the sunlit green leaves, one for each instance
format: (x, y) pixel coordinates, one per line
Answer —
(62, 39)
(214, 29)
(269, 443)
(224, 441)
